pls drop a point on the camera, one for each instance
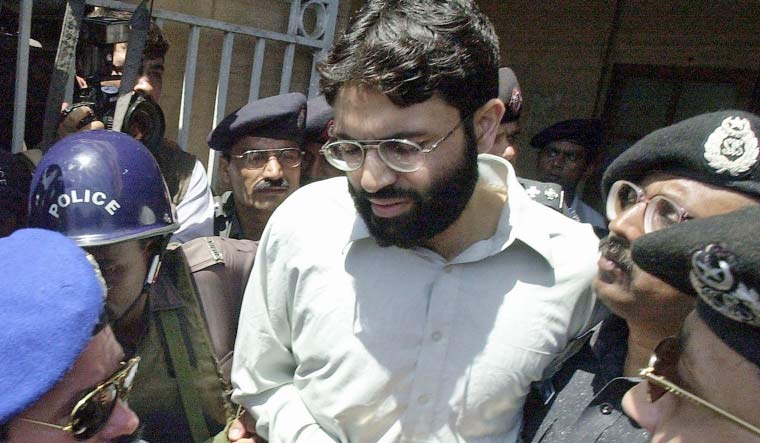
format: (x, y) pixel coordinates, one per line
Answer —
(144, 119)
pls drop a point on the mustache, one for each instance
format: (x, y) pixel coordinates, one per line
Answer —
(618, 250)
(387, 192)
(277, 183)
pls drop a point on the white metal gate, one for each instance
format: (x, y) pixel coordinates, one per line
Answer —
(318, 39)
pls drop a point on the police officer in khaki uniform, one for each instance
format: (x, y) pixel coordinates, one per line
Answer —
(176, 308)
(261, 160)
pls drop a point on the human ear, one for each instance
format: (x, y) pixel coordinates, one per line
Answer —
(224, 164)
(486, 122)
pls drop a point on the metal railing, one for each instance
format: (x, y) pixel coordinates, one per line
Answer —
(318, 40)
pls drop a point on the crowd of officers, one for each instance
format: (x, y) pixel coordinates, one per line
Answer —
(377, 272)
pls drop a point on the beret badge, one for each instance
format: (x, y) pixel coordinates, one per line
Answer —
(515, 101)
(732, 147)
(713, 279)
(301, 123)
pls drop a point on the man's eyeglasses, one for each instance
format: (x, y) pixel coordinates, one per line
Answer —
(258, 158)
(401, 155)
(659, 211)
(94, 410)
(662, 376)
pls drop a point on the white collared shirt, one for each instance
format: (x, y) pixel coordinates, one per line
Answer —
(195, 212)
(342, 340)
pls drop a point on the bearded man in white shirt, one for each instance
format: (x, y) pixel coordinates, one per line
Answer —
(426, 291)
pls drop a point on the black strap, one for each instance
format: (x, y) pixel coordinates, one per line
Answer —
(138, 31)
(63, 70)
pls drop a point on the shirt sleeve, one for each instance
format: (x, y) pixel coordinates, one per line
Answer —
(195, 213)
(264, 366)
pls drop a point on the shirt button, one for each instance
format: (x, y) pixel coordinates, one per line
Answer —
(437, 336)
(605, 408)
(423, 399)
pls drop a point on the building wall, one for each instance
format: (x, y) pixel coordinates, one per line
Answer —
(563, 51)
(269, 15)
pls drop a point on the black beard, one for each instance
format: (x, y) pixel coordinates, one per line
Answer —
(432, 213)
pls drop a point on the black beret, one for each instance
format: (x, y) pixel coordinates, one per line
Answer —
(511, 94)
(281, 117)
(718, 148)
(319, 115)
(586, 132)
(715, 259)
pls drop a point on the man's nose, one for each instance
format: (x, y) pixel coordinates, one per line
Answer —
(559, 159)
(629, 224)
(143, 86)
(375, 173)
(123, 421)
(644, 412)
(273, 168)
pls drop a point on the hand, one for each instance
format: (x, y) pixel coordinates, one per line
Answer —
(243, 430)
(81, 118)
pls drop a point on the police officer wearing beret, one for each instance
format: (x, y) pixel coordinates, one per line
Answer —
(511, 94)
(319, 118)
(261, 160)
(703, 166)
(175, 307)
(14, 187)
(548, 194)
(566, 150)
(63, 375)
(703, 386)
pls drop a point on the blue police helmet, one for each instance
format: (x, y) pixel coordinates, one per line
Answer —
(99, 188)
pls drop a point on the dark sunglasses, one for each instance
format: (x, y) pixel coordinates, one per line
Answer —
(93, 410)
(662, 375)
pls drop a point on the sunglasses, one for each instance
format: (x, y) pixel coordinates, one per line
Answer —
(662, 376)
(659, 211)
(92, 412)
(258, 158)
(401, 155)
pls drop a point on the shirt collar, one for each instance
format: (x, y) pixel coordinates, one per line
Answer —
(519, 219)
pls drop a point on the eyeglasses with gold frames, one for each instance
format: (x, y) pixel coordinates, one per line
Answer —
(662, 375)
(401, 155)
(93, 411)
(258, 158)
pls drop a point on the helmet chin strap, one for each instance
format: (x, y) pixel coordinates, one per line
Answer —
(152, 275)
(150, 278)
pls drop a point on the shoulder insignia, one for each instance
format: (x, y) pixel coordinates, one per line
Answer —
(202, 253)
(732, 147)
(515, 101)
(548, 194)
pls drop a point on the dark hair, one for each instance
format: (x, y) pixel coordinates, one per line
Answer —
(4, 432)
(412, 49)
(156, 46)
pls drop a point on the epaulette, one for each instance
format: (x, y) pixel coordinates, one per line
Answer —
(203, 252)
(548, 194)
